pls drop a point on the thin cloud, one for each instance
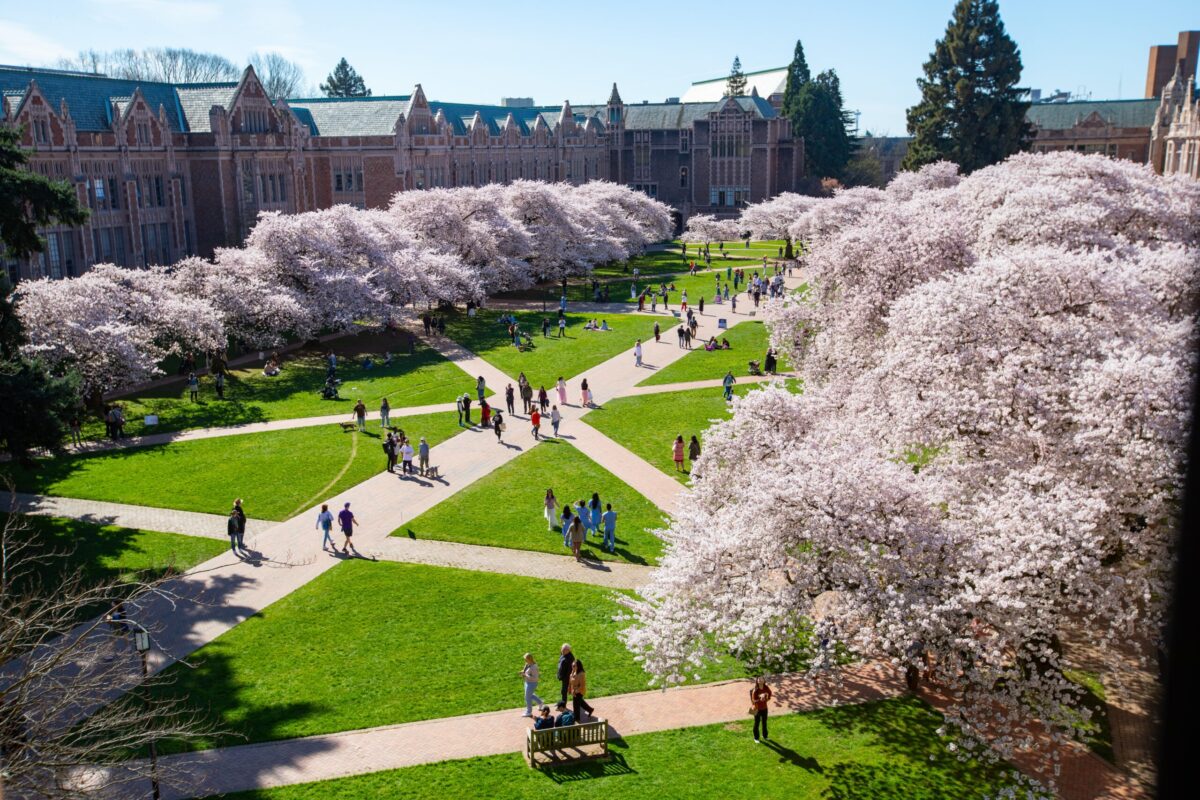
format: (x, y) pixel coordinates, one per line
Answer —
(171, 12)
(21, 46)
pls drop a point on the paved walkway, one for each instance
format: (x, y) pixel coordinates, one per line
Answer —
(715, 383)
(253, 427)
(189, 523)
(292, 761)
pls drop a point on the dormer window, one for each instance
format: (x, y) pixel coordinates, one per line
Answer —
(41, 131)
(143, 133)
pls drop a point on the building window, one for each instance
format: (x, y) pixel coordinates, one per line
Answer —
(683, 177)
(143, 133)
(41, 131)
(685, 141)
(54, 256)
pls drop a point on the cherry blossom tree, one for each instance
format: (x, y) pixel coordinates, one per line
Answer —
(987, 456)
(705, 228)
(772, 218)
(114, 325)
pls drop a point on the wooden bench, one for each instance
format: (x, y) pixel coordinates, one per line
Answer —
(573, 737)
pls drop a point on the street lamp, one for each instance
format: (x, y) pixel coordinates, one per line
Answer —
(141, 643)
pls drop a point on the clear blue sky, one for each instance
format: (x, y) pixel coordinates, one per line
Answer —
(464, 50)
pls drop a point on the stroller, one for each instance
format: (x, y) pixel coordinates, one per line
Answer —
(755, 369)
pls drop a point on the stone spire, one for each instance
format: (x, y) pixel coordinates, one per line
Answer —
(614, 99)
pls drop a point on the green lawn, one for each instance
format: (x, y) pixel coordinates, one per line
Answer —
(550, 357)
(371, 643)
(887, 750)
(419, 379)
(112, 553)
(666, 262)
(648, 424)
(278, 474)
(747, 340)
(474, 516)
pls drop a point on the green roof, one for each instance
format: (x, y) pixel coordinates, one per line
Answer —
(1118, 113)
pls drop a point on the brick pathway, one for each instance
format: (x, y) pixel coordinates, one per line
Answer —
(189, 523)
(314, 758)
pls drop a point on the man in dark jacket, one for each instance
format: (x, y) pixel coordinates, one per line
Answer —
(233, 528)
(564, 669)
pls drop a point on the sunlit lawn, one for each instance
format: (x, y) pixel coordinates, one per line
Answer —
(278, 473)
(474, 516)
(378, 643)
(747, 341)
(422, 378)
(886, 750)
(550, 357)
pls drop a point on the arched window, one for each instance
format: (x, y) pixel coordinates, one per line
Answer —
(683, 177)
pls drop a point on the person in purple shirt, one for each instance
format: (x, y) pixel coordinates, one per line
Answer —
(347, 521)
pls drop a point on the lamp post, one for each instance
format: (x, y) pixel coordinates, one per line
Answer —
(141, 643)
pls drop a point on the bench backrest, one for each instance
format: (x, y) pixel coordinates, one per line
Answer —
(570, 736)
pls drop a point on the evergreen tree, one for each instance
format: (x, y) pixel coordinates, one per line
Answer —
(797, 76)
(735, 86)
(36, 404)
(971, 111)
(819, 117)
(345, 82)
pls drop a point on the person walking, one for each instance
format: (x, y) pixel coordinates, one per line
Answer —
(498, 425)
(241, 521)
(657, 332)
(637, 353)
(423, 455)
(385, 413)
(596, 510)
(555, 419)
(467, 407)
(235, 533)
(550, 509)
(360, 415)
(561, 385)
(609, 519)
(693, 450)
(530, 674)
(325, 524)
(389, 450)
(701, 304)
(565, 524)
(577, 688)
(526, 396)
(406, 457)
(679, 336)
(480, 387)
(677, 453)
(577, 533)
(76, 430)
(562, 326)
(458, 406)
(760, 696)
(566, 660)
(728, 381)
(535, 421)
(544, 399)
(347, 521)
(220, 384)
(509, 397)
(193, 387)
(583, 393)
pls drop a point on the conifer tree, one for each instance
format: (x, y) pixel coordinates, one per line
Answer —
(735, 86)
(822, 121)
(345, 82)
(797, 76)
(971, 111)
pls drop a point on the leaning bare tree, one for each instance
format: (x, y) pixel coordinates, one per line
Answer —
(279, 76)
(66, 731)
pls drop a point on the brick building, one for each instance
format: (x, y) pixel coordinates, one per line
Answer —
(171, 170)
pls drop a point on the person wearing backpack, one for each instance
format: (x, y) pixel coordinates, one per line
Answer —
(389, 449)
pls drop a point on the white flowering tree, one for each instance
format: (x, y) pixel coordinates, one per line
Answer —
(705, 228)
(772, 218)
(114, 325)
(988, 452)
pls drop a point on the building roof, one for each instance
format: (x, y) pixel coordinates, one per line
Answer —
(766, 81)
(1118, 113)
(351, 116)
(90, 97)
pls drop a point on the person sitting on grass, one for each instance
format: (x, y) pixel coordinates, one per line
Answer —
(711, 344)
(604, 325)
(725, 344)
(543, 719)
(565, 717)
(271, 369)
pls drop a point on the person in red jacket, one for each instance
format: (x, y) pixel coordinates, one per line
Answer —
(535, 418)
(760, 696)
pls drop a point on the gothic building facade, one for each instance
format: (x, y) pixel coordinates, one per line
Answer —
(170, 170)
